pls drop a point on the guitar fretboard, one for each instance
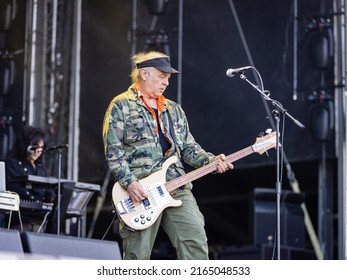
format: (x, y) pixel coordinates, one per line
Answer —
(204, 170)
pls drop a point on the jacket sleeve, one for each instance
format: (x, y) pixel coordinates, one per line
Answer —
(113, 135)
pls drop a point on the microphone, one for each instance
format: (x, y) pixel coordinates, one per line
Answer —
(231, 72)
(59, 147)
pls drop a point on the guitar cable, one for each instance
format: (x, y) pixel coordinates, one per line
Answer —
(108, 228)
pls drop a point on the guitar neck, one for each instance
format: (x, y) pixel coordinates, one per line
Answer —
(204, 170)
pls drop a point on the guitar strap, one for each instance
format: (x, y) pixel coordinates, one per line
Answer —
(172, 132)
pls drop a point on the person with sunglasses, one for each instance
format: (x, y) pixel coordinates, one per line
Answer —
(26, 159)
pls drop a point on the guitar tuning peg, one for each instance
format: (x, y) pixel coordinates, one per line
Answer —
(261, 134)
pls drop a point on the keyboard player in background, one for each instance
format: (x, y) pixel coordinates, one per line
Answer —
(26, 159)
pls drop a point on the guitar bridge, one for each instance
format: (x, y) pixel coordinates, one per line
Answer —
(125, 206)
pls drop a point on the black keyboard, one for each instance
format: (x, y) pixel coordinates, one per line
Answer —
(35, 205)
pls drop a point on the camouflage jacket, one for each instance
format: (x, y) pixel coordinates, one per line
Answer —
(131, 139)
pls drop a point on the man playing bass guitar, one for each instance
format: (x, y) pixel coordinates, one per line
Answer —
(141, 130)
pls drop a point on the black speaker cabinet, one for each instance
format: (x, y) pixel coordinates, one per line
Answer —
(59, 246)
(248, 252)
(10, 242)
(264, 218)
(287, 253)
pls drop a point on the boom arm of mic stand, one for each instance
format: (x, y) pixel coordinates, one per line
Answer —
(275, 103)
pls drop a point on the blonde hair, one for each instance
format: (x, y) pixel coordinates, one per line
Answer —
(141, 57)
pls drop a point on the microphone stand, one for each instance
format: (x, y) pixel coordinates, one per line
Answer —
(59, 149)
(59, 190)
(279, 110)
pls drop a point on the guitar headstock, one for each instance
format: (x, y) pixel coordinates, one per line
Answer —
(265, 142)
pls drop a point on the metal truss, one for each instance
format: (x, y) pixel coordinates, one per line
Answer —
(49, 75)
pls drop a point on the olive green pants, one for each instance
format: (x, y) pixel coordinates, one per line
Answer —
(184, 226)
